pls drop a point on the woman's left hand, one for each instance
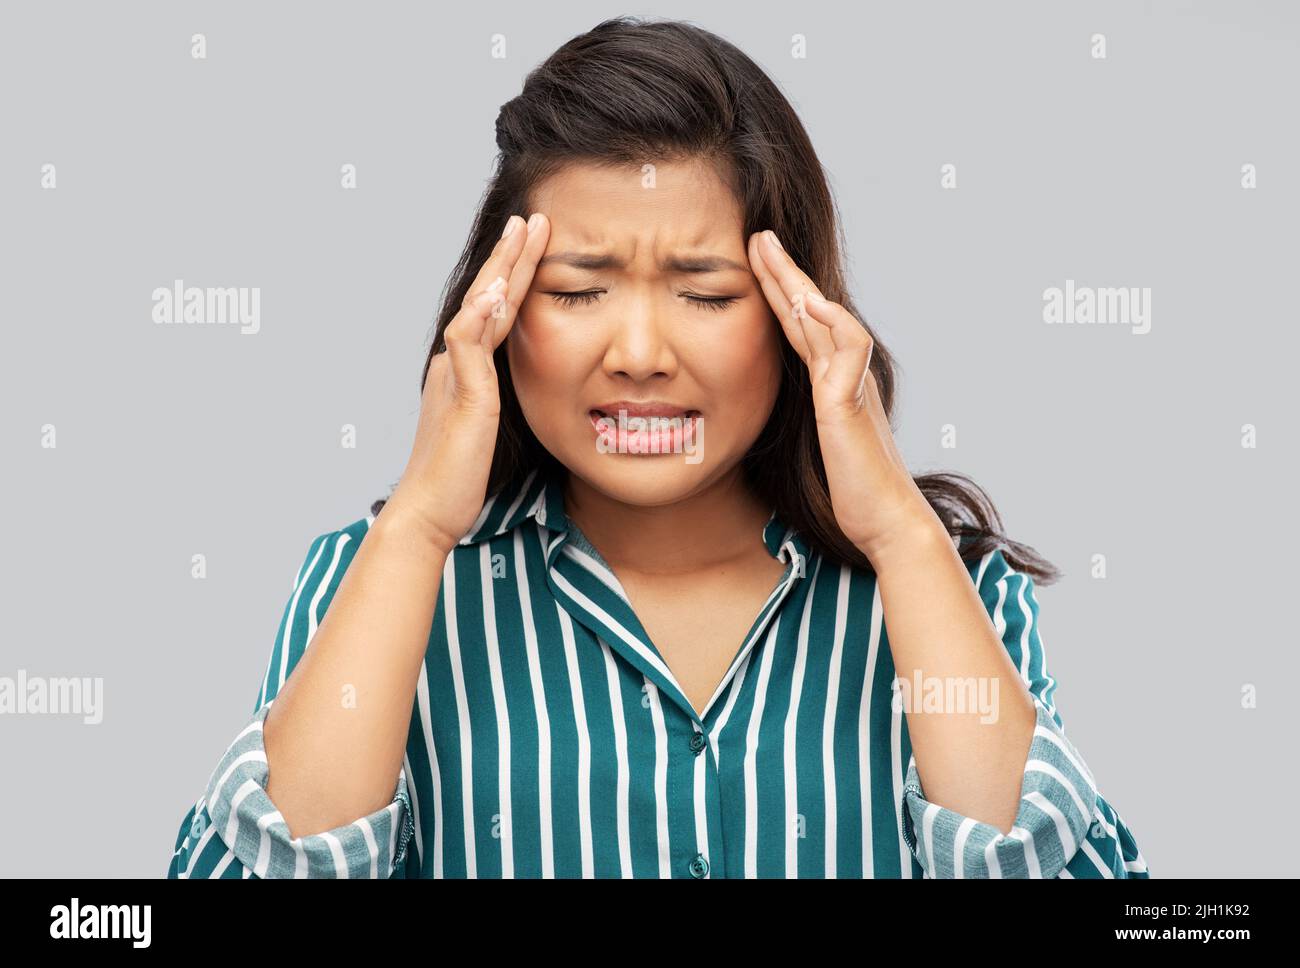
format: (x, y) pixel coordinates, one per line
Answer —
(876, 502)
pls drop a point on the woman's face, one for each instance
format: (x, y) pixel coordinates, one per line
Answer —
(667, 313)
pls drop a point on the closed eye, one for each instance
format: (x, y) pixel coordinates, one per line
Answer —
(588, 296)
(571, 299)
(714, 303)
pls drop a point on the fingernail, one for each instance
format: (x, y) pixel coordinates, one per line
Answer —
(534, 221)
(510, 226)
(772, 235)
(497, 283)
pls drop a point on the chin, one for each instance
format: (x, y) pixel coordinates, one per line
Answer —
(645, 481)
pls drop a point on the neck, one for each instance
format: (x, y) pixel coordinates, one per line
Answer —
(720, 523)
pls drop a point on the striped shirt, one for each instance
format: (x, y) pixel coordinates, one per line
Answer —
(549, 738)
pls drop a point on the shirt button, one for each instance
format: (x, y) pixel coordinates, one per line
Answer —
(698, 742)
(699, 866)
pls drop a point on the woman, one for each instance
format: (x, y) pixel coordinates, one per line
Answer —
(575, 641)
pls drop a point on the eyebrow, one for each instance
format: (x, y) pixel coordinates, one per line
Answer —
(684, 265)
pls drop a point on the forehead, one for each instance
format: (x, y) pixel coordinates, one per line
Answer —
(678, 203)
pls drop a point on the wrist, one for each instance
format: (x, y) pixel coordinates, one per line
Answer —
(401, 516)
(919, 532)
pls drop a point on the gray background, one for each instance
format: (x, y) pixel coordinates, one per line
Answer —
(176, 440)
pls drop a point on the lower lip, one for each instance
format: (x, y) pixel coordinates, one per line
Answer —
(658, 437)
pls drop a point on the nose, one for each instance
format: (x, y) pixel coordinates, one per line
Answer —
(639, 347)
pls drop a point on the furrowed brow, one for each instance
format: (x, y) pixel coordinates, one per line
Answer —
(582, 260)
(691, 265)
(681, 265)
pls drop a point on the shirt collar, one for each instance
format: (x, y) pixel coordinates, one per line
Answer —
(533, 497)
(542, 497)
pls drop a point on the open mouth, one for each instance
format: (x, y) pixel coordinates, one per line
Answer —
(653, 430)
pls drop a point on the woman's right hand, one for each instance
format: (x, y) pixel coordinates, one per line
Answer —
(444, 485)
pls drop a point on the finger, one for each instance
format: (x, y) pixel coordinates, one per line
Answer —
(847, 368)
(500, 259)
(521, 280)
(464, 337)
(776, 299)
(469, 323)
(797, 286)
(846, 332)
(793, 318)
(814, 332)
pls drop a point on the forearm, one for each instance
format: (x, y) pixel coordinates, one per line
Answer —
(938, 626)
(336, 733)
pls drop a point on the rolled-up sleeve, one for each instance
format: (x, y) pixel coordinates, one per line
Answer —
(234, 830)
(1063, 826)
(249, 824)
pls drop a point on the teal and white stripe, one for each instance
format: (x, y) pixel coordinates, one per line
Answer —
(549, 737)
(242, 825)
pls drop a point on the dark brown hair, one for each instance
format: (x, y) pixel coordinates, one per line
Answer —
(632, 90)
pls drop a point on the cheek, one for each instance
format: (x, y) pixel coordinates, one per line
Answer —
(741, 362)
(545, 351)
